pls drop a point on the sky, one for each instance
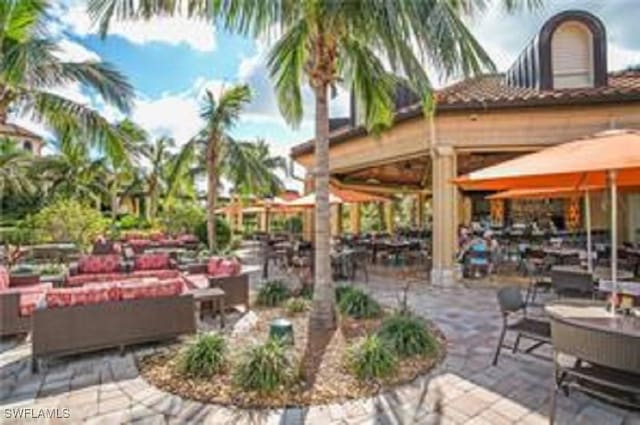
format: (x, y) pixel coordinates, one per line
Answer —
(172, 61)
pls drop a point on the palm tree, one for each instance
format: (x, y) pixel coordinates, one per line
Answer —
(329, 42)
(72, 172)
(15, 166)
(121, 169)
(30, 68)
(252, 169)
(220, 116)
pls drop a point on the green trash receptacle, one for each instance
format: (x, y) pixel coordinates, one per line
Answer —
(281, 329)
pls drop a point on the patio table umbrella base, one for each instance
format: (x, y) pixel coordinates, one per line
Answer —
(281, 329)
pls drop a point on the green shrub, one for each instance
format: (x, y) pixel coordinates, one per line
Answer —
(272, 293)
(358, 304)
(371, 358)
(306, 292)
(407, 335)
(206, 356)
(68, 220)
(182, 217)
(296, 305)
(223, 232)
(265, 368)
(341, 291)
(131, 222)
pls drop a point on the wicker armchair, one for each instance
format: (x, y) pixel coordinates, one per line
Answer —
(607, 364)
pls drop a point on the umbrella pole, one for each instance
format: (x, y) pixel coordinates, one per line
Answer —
(614, 239)
(587, 213)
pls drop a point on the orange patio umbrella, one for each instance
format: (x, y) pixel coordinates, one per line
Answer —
(336, 196)
(607, 159)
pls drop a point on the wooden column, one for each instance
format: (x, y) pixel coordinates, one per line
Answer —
(388, 216)
(263, 218)
(354, 218)
(336, 219)
(420, 210)
(445, 214)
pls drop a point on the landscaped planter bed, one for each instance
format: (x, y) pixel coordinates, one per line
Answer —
(333, 382)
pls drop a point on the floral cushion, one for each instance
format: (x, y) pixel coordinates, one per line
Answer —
(29, 301)
(160, 274)
(220, 267)
(88, 294)
(129, 236)
(187, 238)
(4, 277)
(152, 262)
(81, 279)
(134, 290)
(99, 264)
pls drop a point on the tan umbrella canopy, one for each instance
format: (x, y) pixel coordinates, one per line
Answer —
(607, 159)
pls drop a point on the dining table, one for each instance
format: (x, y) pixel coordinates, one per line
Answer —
(596, 335)
(599, 273)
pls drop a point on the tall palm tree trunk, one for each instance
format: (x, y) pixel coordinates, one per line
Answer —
(323, 315)
(114, 202)
(212, 195)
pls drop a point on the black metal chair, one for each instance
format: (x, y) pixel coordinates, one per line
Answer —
(577, 284)
(539, 273)
(537, 330)
(359, 261)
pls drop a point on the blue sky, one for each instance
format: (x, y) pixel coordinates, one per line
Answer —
(171, 61)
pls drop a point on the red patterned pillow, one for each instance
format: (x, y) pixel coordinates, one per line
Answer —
(4, 277)
(99, 264)
(152, 262)
(187, 238)
(213, 264)
(165, 288)
(66, 297)
(230, 267)
(28, 303)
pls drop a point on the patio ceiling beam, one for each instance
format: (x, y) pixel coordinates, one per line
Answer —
(383, 188)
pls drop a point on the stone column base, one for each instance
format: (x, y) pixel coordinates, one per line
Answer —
(444, 277)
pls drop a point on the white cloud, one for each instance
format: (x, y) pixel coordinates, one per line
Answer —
(70, 51)
(197, 34)
(173, 115)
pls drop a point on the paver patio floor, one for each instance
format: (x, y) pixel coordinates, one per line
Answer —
(465, 389)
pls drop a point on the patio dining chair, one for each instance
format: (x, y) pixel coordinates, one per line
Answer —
(605, 365)
(513, 305)
(539, 274)
(577, 284)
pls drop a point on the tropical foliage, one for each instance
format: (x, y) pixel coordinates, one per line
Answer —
(272, 293)
(371, 358)
(70, 221)
(358, 304)
(407, 335)
(324, 43)
(31, 68)
(265, 368)
(205, 356)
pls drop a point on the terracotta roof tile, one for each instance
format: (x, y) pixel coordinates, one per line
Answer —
(15, 130)
(491, 91)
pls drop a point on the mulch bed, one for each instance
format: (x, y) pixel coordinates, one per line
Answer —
(333, 382)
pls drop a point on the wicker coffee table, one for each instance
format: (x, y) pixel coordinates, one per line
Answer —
(212, 296)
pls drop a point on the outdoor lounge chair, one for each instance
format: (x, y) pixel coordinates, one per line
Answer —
(511, 303)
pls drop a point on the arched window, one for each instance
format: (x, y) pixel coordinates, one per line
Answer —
(27, 145)
(572, 56)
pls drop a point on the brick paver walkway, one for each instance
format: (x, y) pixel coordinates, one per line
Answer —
(465, 389)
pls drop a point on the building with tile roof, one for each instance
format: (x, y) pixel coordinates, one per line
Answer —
(558, 89)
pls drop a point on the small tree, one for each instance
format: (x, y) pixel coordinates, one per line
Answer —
(181, 217)
(70, 221)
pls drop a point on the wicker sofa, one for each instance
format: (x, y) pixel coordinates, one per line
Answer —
(107, 315)
(107, 268)
(224, 274)
(17, 303)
